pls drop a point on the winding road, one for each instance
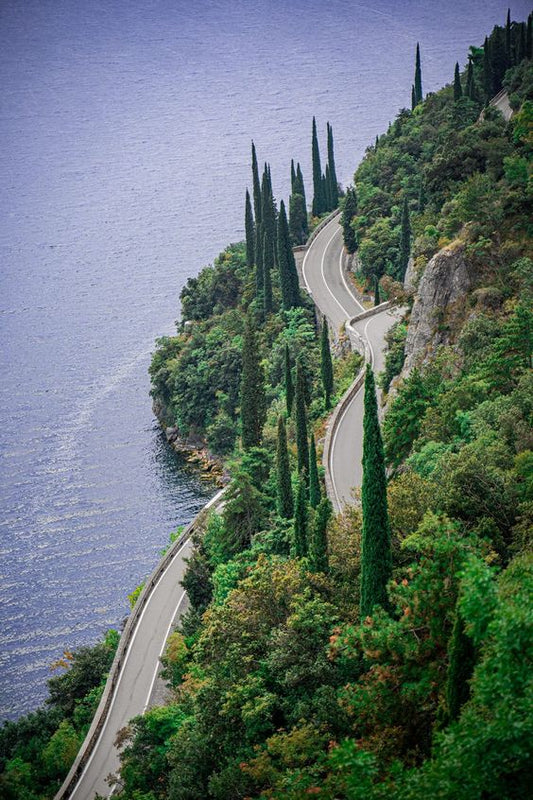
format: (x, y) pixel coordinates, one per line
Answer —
(135, 677)
(324, 279)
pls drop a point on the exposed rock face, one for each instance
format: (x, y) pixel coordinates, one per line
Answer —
(442, 289)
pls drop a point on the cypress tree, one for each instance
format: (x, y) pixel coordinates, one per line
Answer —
(289, 387)
(288, 275)
(376, 561)
(293, 176)
(508, 53)
(377, 299)
(457, 88)
(301, 188)
(326, 364)
(421, 196)
(487, 70)
(327, 190)
(256, 187)
(268, 211)
(413, 99)
(314, 482)
(297, 219)
(268, 263)
(529, 37)
(302, 445)
(300, 518)
(470, 88)
(348, 213)
(259, 270)
(405, 241)
(250, 232)
(283, 474)
(521, 43)
(318, 540)
(461, 662)
(318, 187)
(418, 76)
(334, 186)
(253, 405)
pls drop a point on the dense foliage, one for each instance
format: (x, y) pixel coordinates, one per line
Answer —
(37, 750)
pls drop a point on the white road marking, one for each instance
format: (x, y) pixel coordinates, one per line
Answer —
(349, 289)
(95, 748)
(162, 651)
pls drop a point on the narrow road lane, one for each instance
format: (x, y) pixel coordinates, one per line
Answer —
(324, 279)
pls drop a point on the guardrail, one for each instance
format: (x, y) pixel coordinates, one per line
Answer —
(103, 707)
(300, 248)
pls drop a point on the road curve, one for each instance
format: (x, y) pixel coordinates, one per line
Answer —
(324, 279)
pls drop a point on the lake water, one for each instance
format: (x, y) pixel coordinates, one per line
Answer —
(125, 150)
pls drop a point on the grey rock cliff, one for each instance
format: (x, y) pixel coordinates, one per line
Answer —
(441, 292)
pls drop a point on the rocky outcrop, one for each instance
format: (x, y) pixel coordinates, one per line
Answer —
(439, 301)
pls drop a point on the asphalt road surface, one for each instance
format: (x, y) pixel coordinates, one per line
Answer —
(325, 281)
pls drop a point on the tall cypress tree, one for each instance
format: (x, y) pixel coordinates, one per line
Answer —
(529, 37)
(289, 386)
(283, 474)
(250, 232)
(413, 97)
(348, 213)
(314, 482)
(418, 76)
(259, 271)
(318, 186)
(288, 275)
(318, 539)
(461, 662)
(300, 518)
(457, 88)
(488, 77)
(256, 187)
(253, 404)
(293, 176)
(470, 86)
(508, 52)
(327, 190)
(376, 560)
(377, 298)
(302, 445)
(326, 364)
(297, 219)
(334, 187)
(268, 263)
(301, 190)
(405, 241)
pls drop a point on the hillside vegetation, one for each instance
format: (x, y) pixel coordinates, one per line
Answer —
(280, 687)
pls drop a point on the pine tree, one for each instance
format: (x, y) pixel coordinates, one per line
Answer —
(376, 561)
(300, 518)
(348, 213)
(268, 264)
(288, 275)
(253, 405)
(457, 88)
(418, 77)
(283, 474)
(289, 387)
(334, 187)
(256, 188)
(461, 662)
(318, 186)
(314, 482)
(318, 540)
(405, 241)
(302, 445)
(326, 364)
(250, 232)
